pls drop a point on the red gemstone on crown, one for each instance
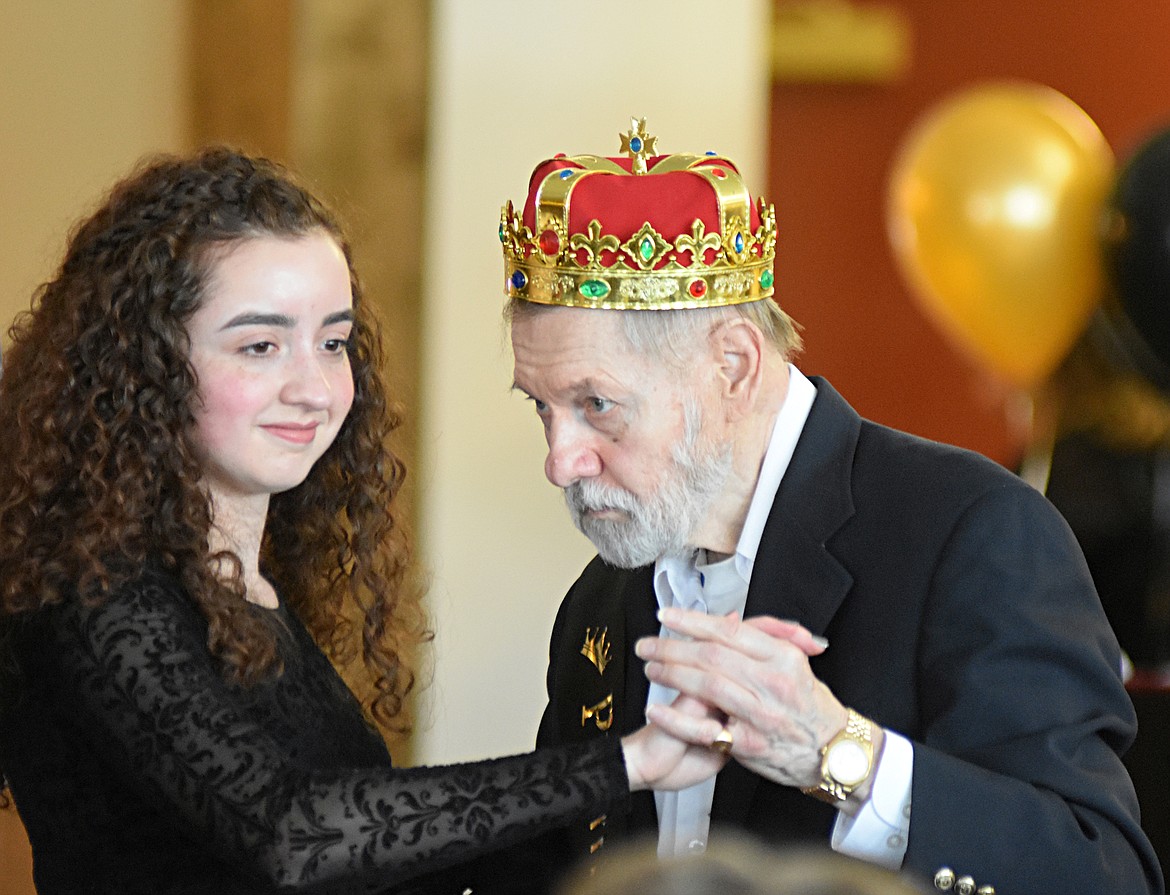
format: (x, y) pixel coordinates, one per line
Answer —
(697, 288)
(549, 242)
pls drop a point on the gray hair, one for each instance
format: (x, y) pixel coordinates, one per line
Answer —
(675, 336)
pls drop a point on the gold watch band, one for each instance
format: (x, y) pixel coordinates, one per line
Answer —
(856, 739)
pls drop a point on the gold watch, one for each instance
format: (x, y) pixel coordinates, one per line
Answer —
(846, 761)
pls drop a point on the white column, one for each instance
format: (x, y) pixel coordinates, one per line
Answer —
(514, 82)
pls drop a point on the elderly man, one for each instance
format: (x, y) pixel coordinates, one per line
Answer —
(900, 640)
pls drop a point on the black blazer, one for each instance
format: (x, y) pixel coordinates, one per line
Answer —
(959, 612)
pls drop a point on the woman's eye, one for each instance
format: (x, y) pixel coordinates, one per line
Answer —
(259, 348)
(336, 346)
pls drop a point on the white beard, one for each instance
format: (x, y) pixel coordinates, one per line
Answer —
(660, 524)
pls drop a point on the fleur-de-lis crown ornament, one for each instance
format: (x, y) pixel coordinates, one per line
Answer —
(638, 232)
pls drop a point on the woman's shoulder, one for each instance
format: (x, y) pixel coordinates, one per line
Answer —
(150, 588)
(151, 599)
(142, 627)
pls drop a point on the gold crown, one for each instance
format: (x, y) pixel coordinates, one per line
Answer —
(670, 261)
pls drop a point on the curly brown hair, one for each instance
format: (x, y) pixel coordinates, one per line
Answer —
(100, 478)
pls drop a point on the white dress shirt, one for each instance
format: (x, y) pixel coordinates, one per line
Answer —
(879, 831)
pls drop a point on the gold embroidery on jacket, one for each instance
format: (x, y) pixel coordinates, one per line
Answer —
(602, 713)
(596, 648)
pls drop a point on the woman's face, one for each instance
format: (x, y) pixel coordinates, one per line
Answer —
(269, 348)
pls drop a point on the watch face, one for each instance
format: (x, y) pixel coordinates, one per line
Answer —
(847, 763)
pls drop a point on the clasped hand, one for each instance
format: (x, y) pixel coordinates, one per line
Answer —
(753, 675)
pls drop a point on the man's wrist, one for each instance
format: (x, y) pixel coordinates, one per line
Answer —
(862, 792)
(848, 764)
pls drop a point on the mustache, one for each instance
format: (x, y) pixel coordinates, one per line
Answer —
(586, 495)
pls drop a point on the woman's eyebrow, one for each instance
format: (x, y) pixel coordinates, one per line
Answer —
(283, 321)
(255, 319)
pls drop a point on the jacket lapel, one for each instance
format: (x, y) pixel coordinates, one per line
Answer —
(641, 620)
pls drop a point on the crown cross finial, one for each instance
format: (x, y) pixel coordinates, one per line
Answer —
(638, 144)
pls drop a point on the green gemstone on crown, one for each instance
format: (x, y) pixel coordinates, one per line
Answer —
(594, 289)
(766, 279)
(646, 248)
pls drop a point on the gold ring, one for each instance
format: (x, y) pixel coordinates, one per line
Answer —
(723, 742)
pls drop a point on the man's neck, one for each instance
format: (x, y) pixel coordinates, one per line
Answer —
(719, 534)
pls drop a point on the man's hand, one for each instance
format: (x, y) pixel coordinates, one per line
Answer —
(756, 673)
(657, 760)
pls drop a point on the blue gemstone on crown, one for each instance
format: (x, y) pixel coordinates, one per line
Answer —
(519, 280)
(636, 144)
(738, 243)
(565, 174)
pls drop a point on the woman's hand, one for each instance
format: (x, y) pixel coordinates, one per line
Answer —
(657, 760)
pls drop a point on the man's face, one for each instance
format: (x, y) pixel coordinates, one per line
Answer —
(625, 433)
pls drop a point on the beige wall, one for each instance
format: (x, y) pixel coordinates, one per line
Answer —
(85, 90)
(515, 81)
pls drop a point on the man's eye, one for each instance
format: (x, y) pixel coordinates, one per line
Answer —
(540, 406)
(600, 405)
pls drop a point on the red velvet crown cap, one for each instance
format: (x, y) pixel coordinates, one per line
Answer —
(622, 203)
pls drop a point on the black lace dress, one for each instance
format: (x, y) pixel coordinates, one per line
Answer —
(136, 768)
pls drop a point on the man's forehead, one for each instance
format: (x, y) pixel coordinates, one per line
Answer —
(574, 329)
(577, 352)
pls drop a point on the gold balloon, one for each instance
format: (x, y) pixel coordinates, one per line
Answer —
(994, 208)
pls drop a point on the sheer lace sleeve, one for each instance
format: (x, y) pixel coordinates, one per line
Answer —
(161, 712)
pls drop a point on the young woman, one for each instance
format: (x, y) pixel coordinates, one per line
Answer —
(196, 527)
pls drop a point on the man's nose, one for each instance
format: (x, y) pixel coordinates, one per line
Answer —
(571, 455)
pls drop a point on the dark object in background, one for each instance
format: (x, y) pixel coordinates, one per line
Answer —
(1117, 502)
(1137, 258)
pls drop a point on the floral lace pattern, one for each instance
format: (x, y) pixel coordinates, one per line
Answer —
(136, 767)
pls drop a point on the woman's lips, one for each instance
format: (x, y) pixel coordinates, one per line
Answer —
(292, 432)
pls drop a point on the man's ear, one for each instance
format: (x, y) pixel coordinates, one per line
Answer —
(737, 345)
